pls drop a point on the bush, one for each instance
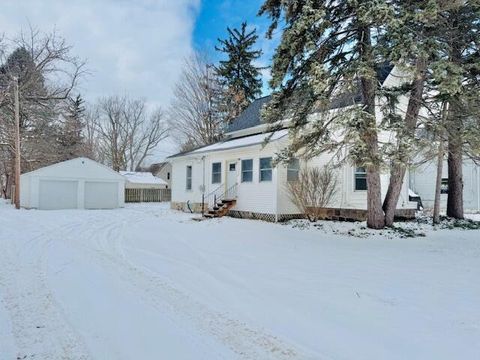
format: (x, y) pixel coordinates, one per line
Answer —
(314, 190)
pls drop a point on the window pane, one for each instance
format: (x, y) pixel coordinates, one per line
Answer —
(265, 175)
(247, 170)
(216, 178)
(360, 178)
(232, 167)
(189, 178)
(266, 169)
(360, 184)
(293, 169)
(247, 165)
(216, 167)
(444, 186)
(247, 176)
(265, 163)
(216, 173)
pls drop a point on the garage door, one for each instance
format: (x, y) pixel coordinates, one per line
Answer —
(101, 195)
(58, 194)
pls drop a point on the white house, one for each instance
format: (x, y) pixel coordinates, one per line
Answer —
(142, 180)
(423, 178)
(73, 184)
(240, 167)
(163, 170)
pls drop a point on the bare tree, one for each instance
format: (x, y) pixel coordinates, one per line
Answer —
(195, 116)
(47, 74)
(313, 191)
(123, 133)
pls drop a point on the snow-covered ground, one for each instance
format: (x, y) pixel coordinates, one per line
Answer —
(145, 282)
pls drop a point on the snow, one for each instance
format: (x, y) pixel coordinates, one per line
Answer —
(474, 217)
(142, 178)
(146, 282)
(411, 193)
(242, 142)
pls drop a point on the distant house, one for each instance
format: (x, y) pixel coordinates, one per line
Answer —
(240, 168)
(73, 184)
(143, 180)
(163, 170)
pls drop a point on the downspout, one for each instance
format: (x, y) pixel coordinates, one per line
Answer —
(478, 187)
(203, 185)
(276, 193)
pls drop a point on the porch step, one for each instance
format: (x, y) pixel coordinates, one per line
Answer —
(221, 208)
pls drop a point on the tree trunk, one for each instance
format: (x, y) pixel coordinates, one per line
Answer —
(369, 135)
(438, 184)
(398, 168)
(455, 173)
(455, 137)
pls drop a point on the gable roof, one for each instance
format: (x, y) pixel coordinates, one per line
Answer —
(82, 162)
(251, 116)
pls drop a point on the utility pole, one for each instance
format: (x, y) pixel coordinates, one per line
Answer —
(17, 143)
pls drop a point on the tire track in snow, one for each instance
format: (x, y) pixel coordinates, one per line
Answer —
(245, 341)
(37, 319)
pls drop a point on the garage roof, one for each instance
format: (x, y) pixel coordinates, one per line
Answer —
(76, 168)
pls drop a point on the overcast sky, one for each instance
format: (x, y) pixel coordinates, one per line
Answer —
(133, 47)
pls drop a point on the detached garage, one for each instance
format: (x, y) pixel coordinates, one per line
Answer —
(74, 184)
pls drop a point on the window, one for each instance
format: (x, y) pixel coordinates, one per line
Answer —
(360, 178)
(168, 176)
(266, 169)
(232, 166)
(293, 168)
(189, 177)
(247, 170)
(216, 173)
(444, 186)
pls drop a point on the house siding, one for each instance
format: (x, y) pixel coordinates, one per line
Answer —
(255, 196)
(423, 177)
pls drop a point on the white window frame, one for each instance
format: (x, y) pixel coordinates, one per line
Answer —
(217, 173)
(262, 170)
(243, 171)
(362, 174)
(188, 179)
(295, 170)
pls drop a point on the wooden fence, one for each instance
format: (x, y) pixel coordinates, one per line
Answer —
(147, 195)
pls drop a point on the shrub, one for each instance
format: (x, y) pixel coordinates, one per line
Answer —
(313, 190)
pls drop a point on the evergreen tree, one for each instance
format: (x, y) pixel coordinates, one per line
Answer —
(327, 49)
(71, 139)
(410, 44)
(461, 88)
(238, 76)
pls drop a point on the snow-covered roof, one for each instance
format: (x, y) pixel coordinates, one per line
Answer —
(142, 178)
(251, 140)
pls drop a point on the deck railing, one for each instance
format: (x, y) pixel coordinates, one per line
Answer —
(213, 198)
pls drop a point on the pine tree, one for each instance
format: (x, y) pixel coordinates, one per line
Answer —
(327, 48)
(409, 43)
(71, 139)
(455, 79)
(238, 76)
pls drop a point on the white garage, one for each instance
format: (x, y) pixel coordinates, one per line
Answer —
(74, 184)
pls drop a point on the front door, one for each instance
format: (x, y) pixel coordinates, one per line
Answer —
(231, 173)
